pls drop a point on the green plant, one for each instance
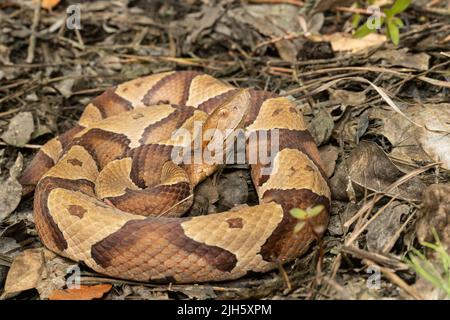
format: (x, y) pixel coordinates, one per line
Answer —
(388, 18)
(303, 215)
(437, 275)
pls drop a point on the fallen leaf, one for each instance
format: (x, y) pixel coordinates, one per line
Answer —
(11, 190)
(66, 85)
(346, 42)
(321, 126)
(369, 167)
(346, 97)
(435, 214)
(205, 195)
(381, 231)
(19, 131)
(25, 272)
(414, 143)
(82, 293)
(272, 21)
(329, 155)
(209, 16)
(8, 246)
(49, 4)
(233, 189)
(402, 57)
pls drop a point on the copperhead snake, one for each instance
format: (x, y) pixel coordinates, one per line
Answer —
(108, 194)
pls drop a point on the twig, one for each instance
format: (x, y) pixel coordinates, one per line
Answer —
(439, 11)
(285, 277)
(28, 146)
(32, 43)
(293, 2)
(358, 10)
(289, 36)
(376, 257)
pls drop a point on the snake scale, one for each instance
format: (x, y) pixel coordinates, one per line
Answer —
(108, 193)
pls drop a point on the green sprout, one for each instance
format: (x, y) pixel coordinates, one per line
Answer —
(438, 276)
(303, 214)
(393, 23)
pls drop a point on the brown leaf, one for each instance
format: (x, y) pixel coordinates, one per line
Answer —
(385, 226)
(402, 58)
(369, 167)
(233, 189)
(321, 126)
(205, 196)
(11, 190)
(82, 293)
(435, 214)
(346, 97)
(25, 272)
(346, 42)
(329, 155)
(414, 143)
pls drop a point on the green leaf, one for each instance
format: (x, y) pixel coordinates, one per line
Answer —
(393, 32)
(299, 213)
(308, 213)
(398, 22)
(355, 20)
(399, 6)
(315, 211)
(363, 31)
(299, 226)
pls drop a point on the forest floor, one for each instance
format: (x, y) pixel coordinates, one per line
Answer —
(379, 112)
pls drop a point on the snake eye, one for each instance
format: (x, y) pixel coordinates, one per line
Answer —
(223, 113)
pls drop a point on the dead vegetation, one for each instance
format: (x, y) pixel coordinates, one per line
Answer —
(380, 114)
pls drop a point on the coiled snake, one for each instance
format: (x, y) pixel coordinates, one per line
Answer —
(109, 193)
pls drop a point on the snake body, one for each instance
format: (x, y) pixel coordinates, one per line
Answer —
(108, 194)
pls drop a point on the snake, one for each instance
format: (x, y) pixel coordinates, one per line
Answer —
(110, 194)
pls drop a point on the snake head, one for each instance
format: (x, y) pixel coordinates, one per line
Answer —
(221, 124)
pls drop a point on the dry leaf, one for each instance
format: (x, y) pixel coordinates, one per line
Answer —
(402, 58)
(19, 131)
(348, 98)
(418, 144)
(24, 273)
(435, 214)
(11, 190)
(273, 21)
(233, 189)
(321, 126)
(82, 293)
(369, 167)
(381, 231)
(346, 42)
(49, 4)
(329, 155)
